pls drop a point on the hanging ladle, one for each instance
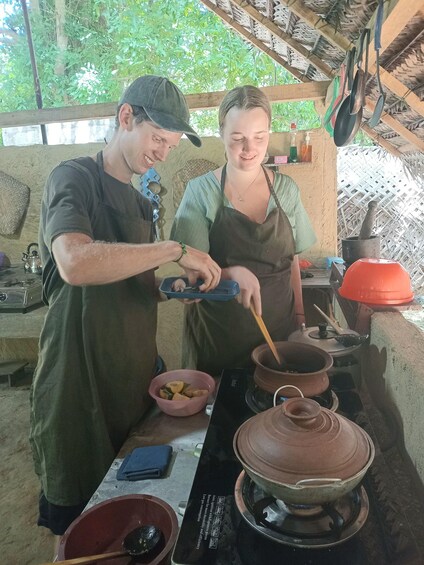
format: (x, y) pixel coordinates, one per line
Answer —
(140, 542)
(378, 110)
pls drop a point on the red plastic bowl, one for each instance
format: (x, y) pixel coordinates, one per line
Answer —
(182, 407)
(377, 281)
(103, 527)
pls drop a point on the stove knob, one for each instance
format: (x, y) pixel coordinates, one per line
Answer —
(3, 297)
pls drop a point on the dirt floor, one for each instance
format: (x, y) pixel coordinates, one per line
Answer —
(22, 542)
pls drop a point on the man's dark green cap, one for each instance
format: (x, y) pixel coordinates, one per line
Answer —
(163, 102)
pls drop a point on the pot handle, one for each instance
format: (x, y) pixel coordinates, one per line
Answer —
(321, 481)
(285, 386)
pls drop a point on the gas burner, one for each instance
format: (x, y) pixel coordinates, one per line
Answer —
(19, 291)
(301, 526)
(259, 400)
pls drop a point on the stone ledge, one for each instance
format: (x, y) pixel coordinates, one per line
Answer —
(394, 372)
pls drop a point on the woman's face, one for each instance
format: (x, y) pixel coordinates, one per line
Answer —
(246, 135)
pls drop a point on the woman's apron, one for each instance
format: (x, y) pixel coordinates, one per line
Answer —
(220, 335)
(97, 357)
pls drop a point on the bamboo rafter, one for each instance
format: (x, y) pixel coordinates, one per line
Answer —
(286, 37)
(311, 90)
(252, 39)
(381, 141)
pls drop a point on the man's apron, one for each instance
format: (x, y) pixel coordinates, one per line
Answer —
(221, 335)
(97, 358)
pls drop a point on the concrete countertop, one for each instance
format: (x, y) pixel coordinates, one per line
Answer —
(320, 279)
(184, 435)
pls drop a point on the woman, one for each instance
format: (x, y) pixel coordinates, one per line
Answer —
(253, 224)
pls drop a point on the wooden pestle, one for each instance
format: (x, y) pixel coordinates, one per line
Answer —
(368, 223)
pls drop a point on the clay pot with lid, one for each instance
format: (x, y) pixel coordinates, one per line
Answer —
(302, 453)
(305, 366)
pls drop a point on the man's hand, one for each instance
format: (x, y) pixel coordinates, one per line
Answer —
(199, 265)
(250, 290)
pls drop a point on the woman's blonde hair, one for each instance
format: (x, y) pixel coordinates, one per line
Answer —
(246, 98)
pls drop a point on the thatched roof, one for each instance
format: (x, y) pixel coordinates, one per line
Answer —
(310, 39)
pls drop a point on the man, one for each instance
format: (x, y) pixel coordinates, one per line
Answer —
(97, 346)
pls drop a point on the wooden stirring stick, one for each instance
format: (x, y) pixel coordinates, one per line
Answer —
(265, 333)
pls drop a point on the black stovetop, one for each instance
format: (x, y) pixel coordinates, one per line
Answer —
(214, 533)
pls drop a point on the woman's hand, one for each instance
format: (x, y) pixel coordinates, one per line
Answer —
(250, 289)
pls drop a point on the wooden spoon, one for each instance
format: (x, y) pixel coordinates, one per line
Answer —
(266, 335)
(89, 559)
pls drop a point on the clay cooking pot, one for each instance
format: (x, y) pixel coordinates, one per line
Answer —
(306, 368)
(302, 453)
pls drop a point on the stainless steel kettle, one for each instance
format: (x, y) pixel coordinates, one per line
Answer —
(32, 260)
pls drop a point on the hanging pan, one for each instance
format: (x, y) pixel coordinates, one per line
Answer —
(378, 110)
(347, 124)
(356, 100)
(344, 84)
(341, 94)
(332, 94)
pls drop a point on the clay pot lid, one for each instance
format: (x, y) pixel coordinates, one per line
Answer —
(301, 440)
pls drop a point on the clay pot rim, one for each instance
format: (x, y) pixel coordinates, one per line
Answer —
(328, 360)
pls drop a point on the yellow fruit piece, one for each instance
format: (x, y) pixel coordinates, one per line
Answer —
(178, 396)
(175, 386)
(194, 392)
(164, 393)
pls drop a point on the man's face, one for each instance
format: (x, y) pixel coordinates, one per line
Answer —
(146, 144)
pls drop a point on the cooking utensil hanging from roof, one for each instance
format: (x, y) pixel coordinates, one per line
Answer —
(357, 94)
(378, 110)
(339, 86)
(347, 123)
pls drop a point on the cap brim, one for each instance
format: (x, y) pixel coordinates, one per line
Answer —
(172, 123)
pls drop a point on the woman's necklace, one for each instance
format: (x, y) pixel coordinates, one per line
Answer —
(241, 197)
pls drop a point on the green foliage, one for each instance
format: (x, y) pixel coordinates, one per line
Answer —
(110, 42)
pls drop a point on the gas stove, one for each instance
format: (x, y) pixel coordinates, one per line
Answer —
(229, 521)
(19, 291)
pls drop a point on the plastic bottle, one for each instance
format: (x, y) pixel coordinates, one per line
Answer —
(293, 146)
(306, 149)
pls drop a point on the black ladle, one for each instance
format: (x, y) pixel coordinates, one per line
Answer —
(349, 340)
(142, 542)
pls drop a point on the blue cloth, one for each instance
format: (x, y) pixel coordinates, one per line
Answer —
(145, 463)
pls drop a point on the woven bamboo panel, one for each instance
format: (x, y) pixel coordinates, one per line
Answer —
(366, 174)
(192, 169)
